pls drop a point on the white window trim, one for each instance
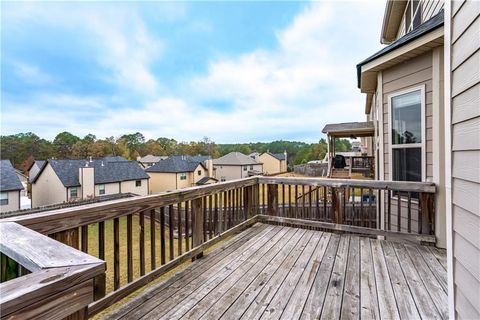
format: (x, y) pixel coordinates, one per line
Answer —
(6, 198)
(410, 145)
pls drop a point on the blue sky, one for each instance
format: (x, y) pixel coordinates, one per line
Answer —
(232, 71)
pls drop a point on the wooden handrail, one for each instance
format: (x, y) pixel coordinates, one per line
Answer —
(67, 218)
(405, 186)
(61, 278)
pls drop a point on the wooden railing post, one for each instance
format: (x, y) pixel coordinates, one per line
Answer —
(197, 224)
(427, 210)
(248, 199)
(272, 199)
(69, 237)
(337, 205)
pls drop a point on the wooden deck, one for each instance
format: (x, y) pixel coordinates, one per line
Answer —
(282, 272)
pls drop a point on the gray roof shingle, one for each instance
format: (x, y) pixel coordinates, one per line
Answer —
(278, 156)
(106, 170)
(9, 180)
(177, 164)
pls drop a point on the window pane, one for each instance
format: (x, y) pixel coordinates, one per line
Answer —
(407, 164)
(407, 118)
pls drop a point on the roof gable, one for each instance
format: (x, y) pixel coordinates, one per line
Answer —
(235, 159)
(177, 164)
(9, 180)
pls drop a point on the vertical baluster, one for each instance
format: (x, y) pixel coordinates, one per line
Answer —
(317, 202)
(142, 242)
(296, 201)
(290, 213)
(116, 254)
(264, 194)
(179, 229)
(170, 233)
(303, 202)
(353, 206)
(225, 211)
(325, 204)
(389, 210)
(309, 202)
(153, 263)
(129, 249)
(362, 213)
(210, 217)
(187, 227)
(162, 236)
(205, 203)
(215, 214)
(409, 212)
(399, 210)
(344, 204)
(283, 200)
(84, 231)
(101, 240)
(370, 208)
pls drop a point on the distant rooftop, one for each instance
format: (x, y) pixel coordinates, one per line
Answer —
(9, 180)
(177, 164)
(151, 158)
(235, 159)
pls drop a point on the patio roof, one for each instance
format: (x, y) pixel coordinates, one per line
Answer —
(350, 129)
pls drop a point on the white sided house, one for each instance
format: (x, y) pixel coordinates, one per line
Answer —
(10, 187)
(236, 165)
(60, 181)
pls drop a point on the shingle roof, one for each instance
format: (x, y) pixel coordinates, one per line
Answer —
(235, 159)
(205, 180)
(9, 179)
(176, 164)
(427, 26)
(106, 170)
(278, 156)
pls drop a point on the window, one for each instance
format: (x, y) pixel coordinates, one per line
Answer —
(245, 168)
(223, 179)
(199, 172)
(183, 176)
(407, 140)
(138, 183)
(73, 192)
(4, 198)
(101, 189)
(413, 15)
(251, 167)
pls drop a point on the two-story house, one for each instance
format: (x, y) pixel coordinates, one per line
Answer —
(236, 165)
(61, 181)
(423, 96)
(178, 172)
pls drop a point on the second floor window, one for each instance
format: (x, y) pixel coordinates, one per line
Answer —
(407, 127)
(138, 183)
(101, 189)
(199, 172)
(251, 167)
(183, 176)
(4, 198)
(73, 192)
(245, 168)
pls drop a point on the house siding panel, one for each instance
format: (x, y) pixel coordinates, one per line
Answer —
(465, 157)
(13, 201)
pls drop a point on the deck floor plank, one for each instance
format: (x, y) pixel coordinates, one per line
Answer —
(283, 272)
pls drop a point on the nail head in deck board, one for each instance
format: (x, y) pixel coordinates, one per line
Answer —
(333, 299)
(299, 296)
(171, 308)
(368, 291)
(406, 305)
(190, 273)
(423, 301)
(237, 307)
(386, 299)
(283, 294)
(238, 280)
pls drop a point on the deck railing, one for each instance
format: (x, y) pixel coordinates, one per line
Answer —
(142, 238)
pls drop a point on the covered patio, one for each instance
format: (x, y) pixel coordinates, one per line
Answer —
(363, 163)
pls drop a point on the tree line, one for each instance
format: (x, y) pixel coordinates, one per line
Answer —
(23, 148)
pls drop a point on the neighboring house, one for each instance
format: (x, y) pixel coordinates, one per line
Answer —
(273, 163)
(10, 187)
(178, 172)
(61, 181)
(236, 165)
(423, 95)
(149, 160)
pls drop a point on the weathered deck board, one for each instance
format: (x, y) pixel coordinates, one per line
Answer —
(282, 272)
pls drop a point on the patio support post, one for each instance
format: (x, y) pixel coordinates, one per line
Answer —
(197, 225)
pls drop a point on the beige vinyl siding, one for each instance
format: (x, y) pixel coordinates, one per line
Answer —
(48, 189)
(465, 131)
(130, 187)
(410, 74)
(13, 201)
